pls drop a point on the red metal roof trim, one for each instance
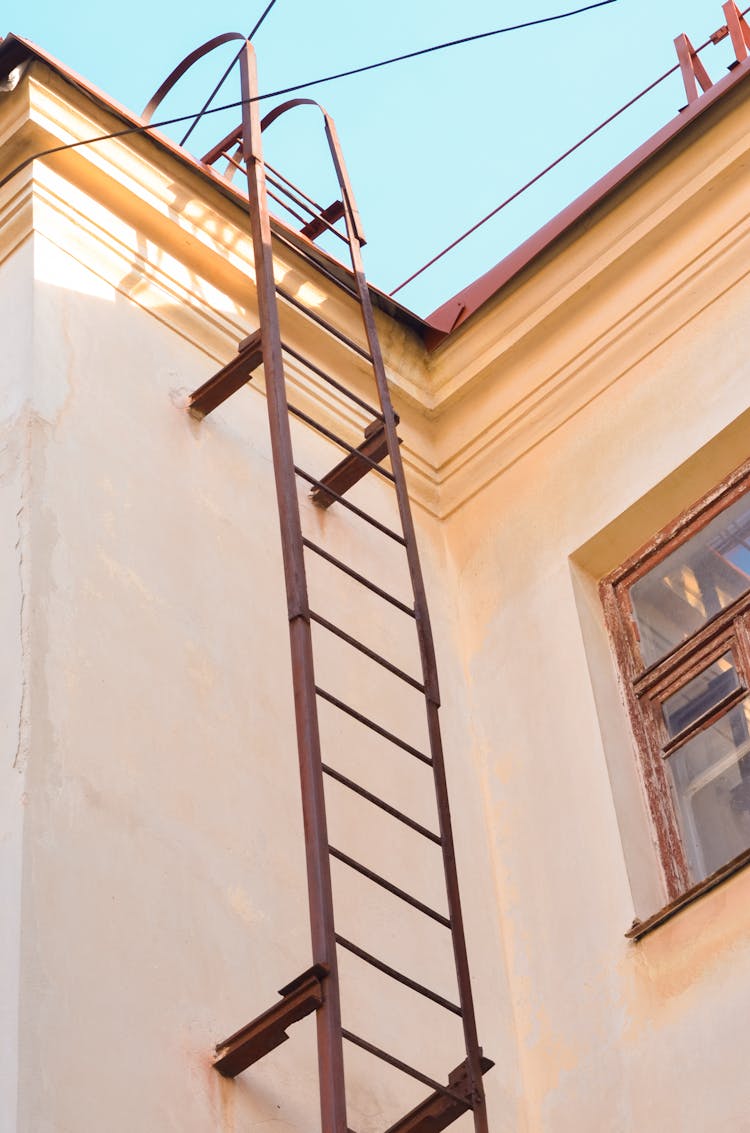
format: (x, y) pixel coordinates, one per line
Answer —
(453, 313)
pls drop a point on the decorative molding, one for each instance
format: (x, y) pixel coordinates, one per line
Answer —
(551, 342)
(210, 320)
(526, 420)
(561, 340)
(16, 217)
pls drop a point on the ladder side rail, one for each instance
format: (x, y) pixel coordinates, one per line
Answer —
(375, 357)
(328, 1016)
(426, 644)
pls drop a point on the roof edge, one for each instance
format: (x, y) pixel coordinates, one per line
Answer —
(15, 51)
(452, 314)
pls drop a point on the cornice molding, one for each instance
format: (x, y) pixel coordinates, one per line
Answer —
(588, 315)
(581, 318)
(16, 217)
(527, 419)
(211, 320)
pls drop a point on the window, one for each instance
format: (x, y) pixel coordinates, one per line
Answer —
(679, 616)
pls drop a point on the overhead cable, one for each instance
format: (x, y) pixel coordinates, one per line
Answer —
(145, 129)
(537, 177)
(261, 19)
(442, 47)
(225, 76)
(547, 169)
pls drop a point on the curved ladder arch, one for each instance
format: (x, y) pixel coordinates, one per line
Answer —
(184, 66)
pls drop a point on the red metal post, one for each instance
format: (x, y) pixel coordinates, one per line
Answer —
(738, 30)
(693, 71)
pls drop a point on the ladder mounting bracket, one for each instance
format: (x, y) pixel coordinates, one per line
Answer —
(299, 998)
(351, 469)
(319, 224)
(439, 1110)
(229, 379)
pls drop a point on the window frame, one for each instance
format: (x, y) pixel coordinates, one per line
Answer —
(646, 687)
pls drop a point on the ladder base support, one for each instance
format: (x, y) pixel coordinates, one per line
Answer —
(299, 998)
(351, 469)
(229, 379)
(439, 1111)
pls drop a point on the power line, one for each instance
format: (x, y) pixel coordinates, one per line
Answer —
(261, 19)
(226, 74)
(537, 177)
(442, 47)
(547, 169)
(204, 109)
(300, 86)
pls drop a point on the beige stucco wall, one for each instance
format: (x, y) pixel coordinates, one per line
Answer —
(15, 305)
(617, 395)
(153, 866)
(163, 899)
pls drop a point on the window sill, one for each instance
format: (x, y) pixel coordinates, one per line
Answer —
(642, 928)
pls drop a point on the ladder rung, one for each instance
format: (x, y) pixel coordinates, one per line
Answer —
(337, 440)
(341, 284)
(331, 381)
(219, 149)
(242, 1049)
(287, 207)
(325, 220)
(404, 1067)
(387, 970)
(324, 323)
(236, 166)
(230, 378)
(334, 774)
(355, 644)
(391, 888)
(352, 507)
(438, 1112)
(300, 192)
(371, 724)
(321, 218)
(329, 558)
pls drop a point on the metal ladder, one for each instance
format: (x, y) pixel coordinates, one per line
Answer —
(318, 990)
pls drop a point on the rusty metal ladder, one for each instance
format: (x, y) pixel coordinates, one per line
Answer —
(317, 990)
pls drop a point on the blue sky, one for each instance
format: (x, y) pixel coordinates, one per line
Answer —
(432, 144)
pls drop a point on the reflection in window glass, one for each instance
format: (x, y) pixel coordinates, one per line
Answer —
(710, 781)
(700, 695)
(694, 583)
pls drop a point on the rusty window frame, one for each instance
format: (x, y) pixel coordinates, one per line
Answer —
(646, 687)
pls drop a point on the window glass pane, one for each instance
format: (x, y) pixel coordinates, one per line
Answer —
(700, 695)
(694, 583)
(710, 781)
